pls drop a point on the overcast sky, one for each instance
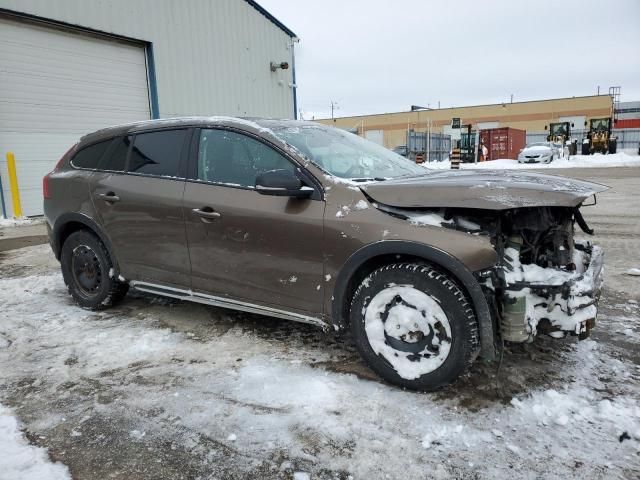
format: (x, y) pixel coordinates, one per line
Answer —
(375, 56)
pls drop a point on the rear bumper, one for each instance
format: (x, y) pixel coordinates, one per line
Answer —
(567, 307)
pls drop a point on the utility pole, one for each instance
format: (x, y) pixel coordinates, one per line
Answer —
(334, 105)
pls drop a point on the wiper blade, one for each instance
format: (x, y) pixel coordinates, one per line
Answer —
(376, 179)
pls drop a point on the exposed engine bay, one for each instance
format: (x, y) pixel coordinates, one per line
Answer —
(546, 281)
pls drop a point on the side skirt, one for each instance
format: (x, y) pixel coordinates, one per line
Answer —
(224, 302)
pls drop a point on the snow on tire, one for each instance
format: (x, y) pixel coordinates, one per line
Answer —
(414, 326)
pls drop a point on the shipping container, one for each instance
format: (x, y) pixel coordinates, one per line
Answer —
(627, 123)
(505, 142)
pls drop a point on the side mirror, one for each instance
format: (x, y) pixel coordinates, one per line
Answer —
(281, 183)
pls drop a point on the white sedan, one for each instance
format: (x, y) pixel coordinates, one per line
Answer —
(542, 152)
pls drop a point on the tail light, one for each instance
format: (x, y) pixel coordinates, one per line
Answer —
(46, 192)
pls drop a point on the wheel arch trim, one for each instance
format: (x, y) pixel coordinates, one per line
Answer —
(433, 255)
(74, 217)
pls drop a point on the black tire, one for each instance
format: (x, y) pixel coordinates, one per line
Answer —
(87, 271)
(446, 294)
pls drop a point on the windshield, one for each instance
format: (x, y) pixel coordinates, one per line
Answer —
(538, 144)
(559, 129)
(600, 124)
(346, 155)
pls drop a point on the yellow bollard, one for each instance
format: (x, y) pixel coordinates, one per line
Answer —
(13, 183)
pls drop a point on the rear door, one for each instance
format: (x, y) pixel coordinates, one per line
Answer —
(138, 198)
(264, 250)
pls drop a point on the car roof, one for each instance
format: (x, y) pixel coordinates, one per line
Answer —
(251, 124)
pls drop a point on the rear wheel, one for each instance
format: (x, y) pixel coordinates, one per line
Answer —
(87, 270)
(414, 326)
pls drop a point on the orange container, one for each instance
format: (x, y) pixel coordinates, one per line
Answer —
(505, 142)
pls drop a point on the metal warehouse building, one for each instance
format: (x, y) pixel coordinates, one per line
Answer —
(68, 67)
(390, 129)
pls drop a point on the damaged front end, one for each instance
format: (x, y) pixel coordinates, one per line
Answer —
(547, 281)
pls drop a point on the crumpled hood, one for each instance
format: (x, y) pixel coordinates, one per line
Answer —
(482, 189)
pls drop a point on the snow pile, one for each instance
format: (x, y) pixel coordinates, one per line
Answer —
(633, 271)
(562, 408)
(18, 222)
(576, 161)
(19, 460)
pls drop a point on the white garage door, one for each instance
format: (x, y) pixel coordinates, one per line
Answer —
(55, 86)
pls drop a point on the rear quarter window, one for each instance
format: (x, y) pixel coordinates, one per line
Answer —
(157, 153)
(116, 158)
(89, 157)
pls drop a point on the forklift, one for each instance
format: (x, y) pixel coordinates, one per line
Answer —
(561, 133)
(467, 145)
(599, 138)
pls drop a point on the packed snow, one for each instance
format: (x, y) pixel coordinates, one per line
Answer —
(361, 205)
(556, 308)
(19, 460)
(597, 160)
(18, 222)
(433, 219)
(403, 322)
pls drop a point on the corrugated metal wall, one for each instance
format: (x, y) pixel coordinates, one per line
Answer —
(211, 56)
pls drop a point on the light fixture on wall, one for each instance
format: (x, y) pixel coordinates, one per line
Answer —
(282, 65)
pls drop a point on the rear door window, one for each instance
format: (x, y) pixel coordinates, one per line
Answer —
(90, 156)
(116, 158)
(157, 153)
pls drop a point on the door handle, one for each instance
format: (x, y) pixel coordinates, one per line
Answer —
(206, 212)
(109, 197)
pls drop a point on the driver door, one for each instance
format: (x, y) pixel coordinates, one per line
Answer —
(258, 249)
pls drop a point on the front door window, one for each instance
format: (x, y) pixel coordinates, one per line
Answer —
(231, 158)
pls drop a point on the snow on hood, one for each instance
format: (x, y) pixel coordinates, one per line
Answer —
(537, 149)
(487, 189)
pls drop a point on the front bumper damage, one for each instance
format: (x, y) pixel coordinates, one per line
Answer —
(552, 301)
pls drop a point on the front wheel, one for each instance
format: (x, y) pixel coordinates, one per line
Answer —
(87, 270)
(414, 326)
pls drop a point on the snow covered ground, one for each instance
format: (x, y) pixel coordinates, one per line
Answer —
(577, 161)
(16, 222)
(161, 388)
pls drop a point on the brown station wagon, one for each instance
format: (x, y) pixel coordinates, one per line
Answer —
(427, 268)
